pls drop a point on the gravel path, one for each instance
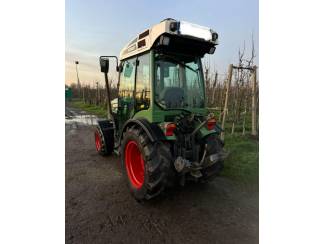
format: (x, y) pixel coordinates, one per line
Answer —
(100, 209)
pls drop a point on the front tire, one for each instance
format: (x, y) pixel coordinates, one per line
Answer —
(146, 164)
(102, 147)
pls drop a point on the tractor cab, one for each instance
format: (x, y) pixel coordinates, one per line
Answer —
(161, 71)
(161, 108)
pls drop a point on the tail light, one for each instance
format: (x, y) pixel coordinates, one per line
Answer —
(170, 127)
(211, 124)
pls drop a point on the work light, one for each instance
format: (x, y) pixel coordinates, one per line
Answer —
(212, 49)
(195, 30)
(173, 26)
(214, 36)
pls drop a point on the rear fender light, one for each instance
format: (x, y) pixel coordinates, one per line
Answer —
(211, 123)
(169, 129)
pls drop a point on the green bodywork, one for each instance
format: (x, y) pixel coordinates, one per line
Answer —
(156, 114)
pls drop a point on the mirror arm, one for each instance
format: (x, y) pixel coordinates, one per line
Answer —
(109, 105)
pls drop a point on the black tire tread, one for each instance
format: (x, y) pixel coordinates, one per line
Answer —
(157, 159)
(104, 151)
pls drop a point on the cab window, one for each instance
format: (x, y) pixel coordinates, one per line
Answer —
(142, 93)
(126, 88)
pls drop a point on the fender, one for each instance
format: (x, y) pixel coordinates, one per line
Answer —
(105, 125)
(152, 130)
(107, 129)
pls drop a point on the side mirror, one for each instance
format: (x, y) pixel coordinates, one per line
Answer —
(104, 65)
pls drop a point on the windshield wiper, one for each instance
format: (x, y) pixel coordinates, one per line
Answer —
(180, 62)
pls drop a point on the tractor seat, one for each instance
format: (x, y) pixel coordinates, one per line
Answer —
(172, 97)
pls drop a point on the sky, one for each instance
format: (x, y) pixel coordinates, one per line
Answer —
(103, 27)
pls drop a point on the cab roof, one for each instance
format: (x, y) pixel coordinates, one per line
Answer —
(172, 28)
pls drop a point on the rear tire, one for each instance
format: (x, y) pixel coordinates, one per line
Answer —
(146, 164)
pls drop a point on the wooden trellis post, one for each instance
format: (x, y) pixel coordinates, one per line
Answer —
(83, 95)
(254, 131)
(225, 109)
(97, 94)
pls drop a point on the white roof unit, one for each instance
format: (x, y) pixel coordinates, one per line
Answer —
(172, 28)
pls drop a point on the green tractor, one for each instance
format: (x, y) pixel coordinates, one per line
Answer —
(160, 126)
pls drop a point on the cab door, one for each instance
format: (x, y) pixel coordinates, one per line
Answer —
(126, 91)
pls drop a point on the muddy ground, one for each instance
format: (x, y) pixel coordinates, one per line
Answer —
(100, 209)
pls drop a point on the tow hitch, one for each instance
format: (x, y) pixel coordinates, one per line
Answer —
(184, 166)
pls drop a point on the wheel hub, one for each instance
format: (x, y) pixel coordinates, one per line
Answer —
(98, 141)
(134, 164)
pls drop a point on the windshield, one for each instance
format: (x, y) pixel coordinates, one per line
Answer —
(178, 82)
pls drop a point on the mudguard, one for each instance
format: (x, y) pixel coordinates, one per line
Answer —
(107, 129)
(153, 130)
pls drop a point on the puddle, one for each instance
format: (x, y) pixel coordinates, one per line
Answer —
(84, 119)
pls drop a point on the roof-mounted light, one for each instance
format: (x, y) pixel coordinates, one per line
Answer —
(189, 29)
(212, 49)
(214, 36)
(173, 26)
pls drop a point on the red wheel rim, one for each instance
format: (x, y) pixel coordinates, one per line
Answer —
(134, 164)
(98, 141)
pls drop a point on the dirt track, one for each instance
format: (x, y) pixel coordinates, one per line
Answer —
(100, 209)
